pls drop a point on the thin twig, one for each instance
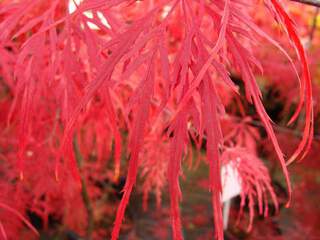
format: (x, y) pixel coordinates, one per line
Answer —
(315, 3)
(84, 191)
(255, 123)
(282, 129)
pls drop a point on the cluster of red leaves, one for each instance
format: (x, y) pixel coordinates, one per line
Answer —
(156, 70)
(255, 180)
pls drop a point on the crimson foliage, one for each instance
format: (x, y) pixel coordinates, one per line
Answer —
(76, 82)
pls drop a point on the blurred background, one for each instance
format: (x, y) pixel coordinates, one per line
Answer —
(67, 211)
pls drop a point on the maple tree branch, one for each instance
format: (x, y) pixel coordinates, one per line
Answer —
(84, 191)
(315, 3)
(255, 123)
(282, 129)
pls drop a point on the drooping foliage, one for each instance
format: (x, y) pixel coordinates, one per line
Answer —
(153, 77)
